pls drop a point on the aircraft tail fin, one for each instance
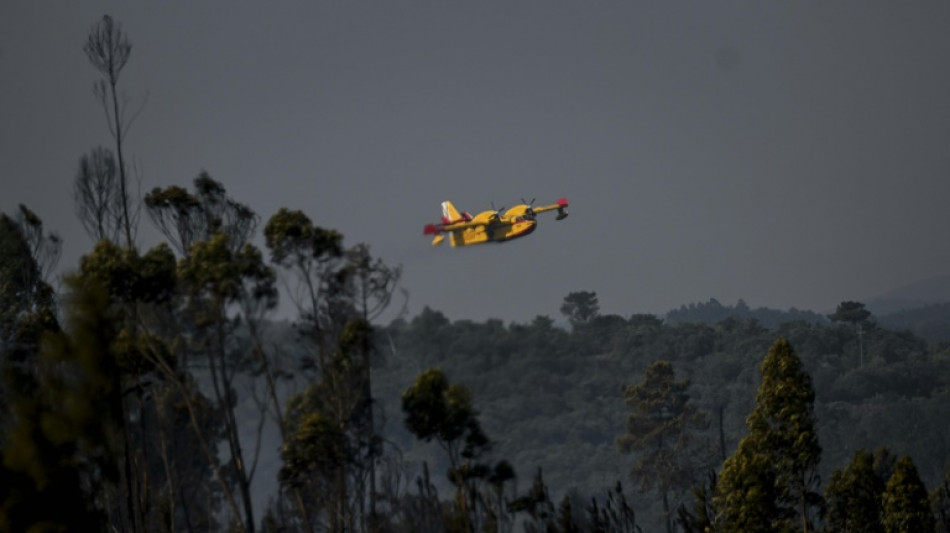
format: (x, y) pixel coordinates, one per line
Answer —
(449, 213)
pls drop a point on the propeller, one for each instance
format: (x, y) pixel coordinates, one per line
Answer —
(497, 211)
(530, 210)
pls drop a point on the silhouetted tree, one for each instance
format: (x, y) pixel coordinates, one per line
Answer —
(444, 412)
(580, 307)
(338, 292)
(855, 314)
(940, 499)
(185, 218)
(107, 48)
(662, 427)
(97, 195)
(61, 455)
(226, 287)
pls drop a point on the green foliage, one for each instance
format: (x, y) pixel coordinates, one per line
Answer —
(22, 289)
(131, 282)
(445, 412)
(213, 271)
(128, 277)
(294, 240)
(850, 312)
(931, 322)
(63, 444)
(747, 498)
(853, 497)
(185, 218)
(714, 312)
(580, 307)
(27, 309)
(905, 501)
(316, 449)
(661, 431)
(769, 483)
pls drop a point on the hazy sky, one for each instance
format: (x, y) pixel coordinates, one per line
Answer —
(793, 154)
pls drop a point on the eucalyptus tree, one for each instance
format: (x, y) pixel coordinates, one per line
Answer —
(27, 307)
(187, 217)
(131, 283)
(108, 49)
(225, 288)
(769, 483)
(444, 412)
(905, 501)
(853, 497)
(338, 293)
(320, 449)
(97, 195)
(27, 300)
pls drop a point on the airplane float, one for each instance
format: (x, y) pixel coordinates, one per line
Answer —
(489, 226)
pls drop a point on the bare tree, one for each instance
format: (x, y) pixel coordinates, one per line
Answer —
(96, 193)
(108, 49)
(46, 248)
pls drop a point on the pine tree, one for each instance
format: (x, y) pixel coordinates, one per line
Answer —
(661, 431)
(769, 483)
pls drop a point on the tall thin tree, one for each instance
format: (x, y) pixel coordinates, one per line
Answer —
(662, 431)
(770, 482)
(108, 49)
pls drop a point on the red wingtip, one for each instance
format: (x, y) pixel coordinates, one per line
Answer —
(562, 202)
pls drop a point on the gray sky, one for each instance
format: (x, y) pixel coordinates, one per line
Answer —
(794, 154)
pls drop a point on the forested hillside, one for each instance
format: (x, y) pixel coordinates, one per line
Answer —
(553, 398)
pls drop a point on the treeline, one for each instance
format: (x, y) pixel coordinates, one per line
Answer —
(930, 322)
(713, 312)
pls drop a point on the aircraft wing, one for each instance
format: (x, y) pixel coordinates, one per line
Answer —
(561, 206)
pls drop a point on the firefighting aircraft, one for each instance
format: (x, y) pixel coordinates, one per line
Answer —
(489, 226)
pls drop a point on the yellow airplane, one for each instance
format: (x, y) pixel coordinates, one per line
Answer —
(489, 226)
